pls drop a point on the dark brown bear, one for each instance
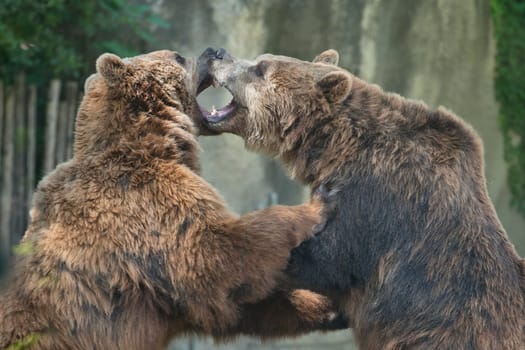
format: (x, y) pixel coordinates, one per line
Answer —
(412, 248)
(128, 246)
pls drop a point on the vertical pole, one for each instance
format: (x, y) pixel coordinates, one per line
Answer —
(72, 102)
(7, 178)
(51, 125)
(60, 152)
(2, 122)
(18, 206)
(31, 144)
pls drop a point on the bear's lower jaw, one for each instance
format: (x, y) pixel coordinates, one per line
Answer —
(218, 115)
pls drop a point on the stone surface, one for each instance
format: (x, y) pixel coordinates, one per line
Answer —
(439, 51)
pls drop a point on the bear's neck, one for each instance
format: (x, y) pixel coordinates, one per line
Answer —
(332, 136)
(318, 156)
(119, 133)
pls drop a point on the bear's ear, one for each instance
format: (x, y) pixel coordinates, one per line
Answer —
(328, 57)
(88, 81)
(111, 67)
(335, 86)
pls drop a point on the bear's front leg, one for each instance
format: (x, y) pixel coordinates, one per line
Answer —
(239, 261)
(287, 314)
(320, 263)
(262, 242)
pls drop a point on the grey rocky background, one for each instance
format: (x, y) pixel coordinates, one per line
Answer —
(439, 51)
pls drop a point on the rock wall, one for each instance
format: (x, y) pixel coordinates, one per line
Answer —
(439, 51)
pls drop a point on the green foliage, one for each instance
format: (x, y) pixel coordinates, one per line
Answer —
(509, 28)
(24, 249)
(62, 38)
(26, 342)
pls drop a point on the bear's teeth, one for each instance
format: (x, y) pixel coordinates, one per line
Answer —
(213, 110)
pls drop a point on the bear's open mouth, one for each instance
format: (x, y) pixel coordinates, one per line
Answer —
(217, 115)
(213, 115)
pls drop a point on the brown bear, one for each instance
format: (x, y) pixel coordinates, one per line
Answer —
(412, 247)
(128, 246)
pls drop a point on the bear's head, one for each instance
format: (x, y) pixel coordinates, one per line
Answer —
(141, 107)
(275, 97)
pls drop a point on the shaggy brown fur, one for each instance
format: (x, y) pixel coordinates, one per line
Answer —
(413, 248)
(128, 246)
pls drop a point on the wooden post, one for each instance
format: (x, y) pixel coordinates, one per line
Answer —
(61, 132)
(31, 144)
(4, 243)
(7, 178)
(72, 103)
(51, 125)
(18, 209)
(2, 117)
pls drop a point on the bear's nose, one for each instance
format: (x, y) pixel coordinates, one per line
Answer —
(209, 53)
(222, 54)
(207, 56)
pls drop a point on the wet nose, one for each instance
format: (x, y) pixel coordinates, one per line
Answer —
(208, 54)
(222, 54)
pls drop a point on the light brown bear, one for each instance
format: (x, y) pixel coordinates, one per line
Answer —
(128, 246)
(412, 247)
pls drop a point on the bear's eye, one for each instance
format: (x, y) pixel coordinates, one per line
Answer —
(180, 60)
(260, 69)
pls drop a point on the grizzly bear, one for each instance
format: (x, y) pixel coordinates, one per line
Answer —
(412, 248)
(128, 246)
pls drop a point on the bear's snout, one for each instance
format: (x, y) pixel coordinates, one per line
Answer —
(222, 54)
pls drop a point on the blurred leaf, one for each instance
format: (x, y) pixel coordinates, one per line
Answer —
(26, 342)
(24, 249)
(119, 49)
(143, 34)
(158, 21)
